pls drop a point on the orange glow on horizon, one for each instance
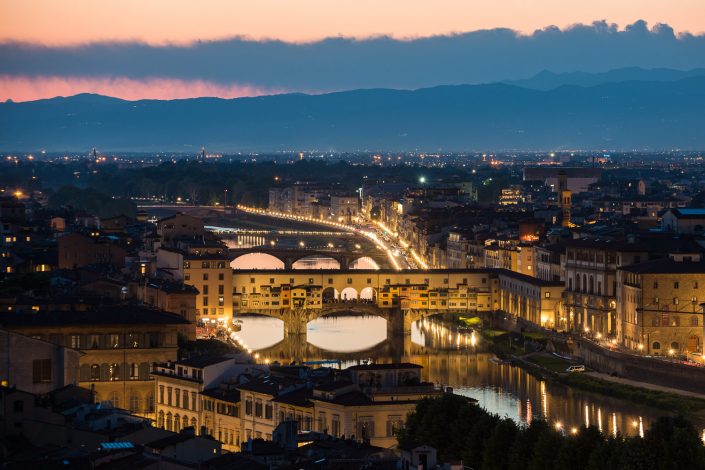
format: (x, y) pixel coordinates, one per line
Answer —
(34, 88)
(166, 21)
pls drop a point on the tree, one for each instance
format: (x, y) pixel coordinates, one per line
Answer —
(474, 445)
(607, 455)
(495, 454)
(637, 455)
(675, 444)
(585, 444)
(442, 423)
(524, 444)
(545, 450)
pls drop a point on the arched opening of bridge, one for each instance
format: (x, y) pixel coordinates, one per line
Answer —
(316, 262)
(257, 261)
(368, 294)
(259, 331)
(349, 294)
(344, 334)
(330, 294)
(244, 241)
(364, 262)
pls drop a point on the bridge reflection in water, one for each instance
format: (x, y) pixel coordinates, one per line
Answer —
(449, 357)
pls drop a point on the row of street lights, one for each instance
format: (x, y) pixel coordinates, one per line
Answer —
(369, 235)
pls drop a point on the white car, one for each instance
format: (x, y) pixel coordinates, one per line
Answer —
(577, 368)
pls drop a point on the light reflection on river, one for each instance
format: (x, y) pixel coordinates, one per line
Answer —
(449, 358)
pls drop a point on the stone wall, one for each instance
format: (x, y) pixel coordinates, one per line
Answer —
(655, 371)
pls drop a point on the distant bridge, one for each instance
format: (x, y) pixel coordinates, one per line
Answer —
(346, 259)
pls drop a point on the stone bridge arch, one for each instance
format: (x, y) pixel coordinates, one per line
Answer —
(296, 319)
(365, 262)
(346, 260)
(243, 258)
(325, 258)
(290, 257)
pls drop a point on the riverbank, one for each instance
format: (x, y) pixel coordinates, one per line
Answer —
(551, 367)
(525, 350)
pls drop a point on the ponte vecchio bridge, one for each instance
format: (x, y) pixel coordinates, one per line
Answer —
(401, 297)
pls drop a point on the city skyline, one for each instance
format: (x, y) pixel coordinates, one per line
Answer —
(318, 234)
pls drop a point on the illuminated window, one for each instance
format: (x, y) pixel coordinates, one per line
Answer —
(114, 372)
(95, 372)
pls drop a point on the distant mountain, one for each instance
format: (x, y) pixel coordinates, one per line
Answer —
(547, 80)
(620, 115)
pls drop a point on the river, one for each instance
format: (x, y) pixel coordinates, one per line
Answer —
(451, 358)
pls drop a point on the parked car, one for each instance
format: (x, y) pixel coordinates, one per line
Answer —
(576, 368)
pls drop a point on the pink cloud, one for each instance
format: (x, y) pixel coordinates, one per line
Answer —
(22, 88)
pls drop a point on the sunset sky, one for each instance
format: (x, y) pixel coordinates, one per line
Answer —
(179, 21)
(56, 35)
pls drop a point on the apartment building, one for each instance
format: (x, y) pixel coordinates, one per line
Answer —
(501, 254)
(457, 250)
(206, 267)
(345, 207)
(170, 296)
(34, 365)
(687, 221)
(373, 405)
(591, 266)
(79, 249)
(532, 299)
(262, 401)
(179, 227)
(590, 285)
(660, 306)
(549, 262)
(119, 346)
(178, 386)
(221, 415)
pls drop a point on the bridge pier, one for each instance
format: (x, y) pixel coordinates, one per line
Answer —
(295, 322)
(399, 322)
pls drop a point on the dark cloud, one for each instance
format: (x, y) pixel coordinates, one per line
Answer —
(341, 63)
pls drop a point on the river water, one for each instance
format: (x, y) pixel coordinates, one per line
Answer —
(451, 358)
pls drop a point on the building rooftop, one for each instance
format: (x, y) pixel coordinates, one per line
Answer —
(271, 385)
(112, 315)
(172, 287)
(230, 394)
(689, 213)
(299, 397)
(333, 385)
(666, 266)
(202, 361)
(173, 440)
(529, 279)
